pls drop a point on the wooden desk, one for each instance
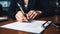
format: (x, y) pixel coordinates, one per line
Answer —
(50, 30)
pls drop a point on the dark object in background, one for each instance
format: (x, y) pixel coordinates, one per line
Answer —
(3, 14)
(1, 10)
(55, 6)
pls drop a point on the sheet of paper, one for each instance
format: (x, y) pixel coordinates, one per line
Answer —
(33, 26)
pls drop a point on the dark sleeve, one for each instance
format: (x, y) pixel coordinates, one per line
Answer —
(12, 9)
(45, 7)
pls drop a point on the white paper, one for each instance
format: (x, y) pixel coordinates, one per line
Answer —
(34, 26)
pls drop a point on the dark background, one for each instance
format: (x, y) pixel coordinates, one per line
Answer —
(4, 6)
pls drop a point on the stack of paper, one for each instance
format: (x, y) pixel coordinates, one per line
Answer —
(33, 26)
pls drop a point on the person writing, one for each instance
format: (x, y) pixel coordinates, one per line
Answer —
(28, 7)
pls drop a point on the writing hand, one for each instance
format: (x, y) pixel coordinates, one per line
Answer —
(20, 17)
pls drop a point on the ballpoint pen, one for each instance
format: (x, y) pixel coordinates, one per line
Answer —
(23, 12)
(47, 23)
(20, 8)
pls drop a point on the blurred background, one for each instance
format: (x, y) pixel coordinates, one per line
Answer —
(4, 6)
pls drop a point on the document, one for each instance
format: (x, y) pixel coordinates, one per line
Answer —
(34, 26)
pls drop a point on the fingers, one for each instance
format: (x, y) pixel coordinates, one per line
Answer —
(24, 19)
(32, 14)
(27, 16)
(39, 12)
(20, 17)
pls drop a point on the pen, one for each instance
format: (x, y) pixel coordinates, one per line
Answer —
(22, 11)
(20, 8)
(47, 23)
(44, 24)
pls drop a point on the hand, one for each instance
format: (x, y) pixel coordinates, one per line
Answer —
(32, 14)
(20, 17)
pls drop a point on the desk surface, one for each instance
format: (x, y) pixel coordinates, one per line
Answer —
(50, 30)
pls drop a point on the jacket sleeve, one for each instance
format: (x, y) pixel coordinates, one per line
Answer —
(13, 9)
